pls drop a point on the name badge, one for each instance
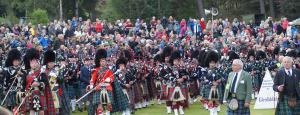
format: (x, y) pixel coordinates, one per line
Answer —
(242, 82)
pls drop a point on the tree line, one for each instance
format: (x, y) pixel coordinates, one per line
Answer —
(118, 9)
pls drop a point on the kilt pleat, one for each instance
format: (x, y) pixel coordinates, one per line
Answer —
(138, 93)
(194, 89)
(284, 109)
(96, 97)
(71, 91)
(152, 90)
(241, 109)
(11, 99)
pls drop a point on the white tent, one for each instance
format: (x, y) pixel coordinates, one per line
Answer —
(295, 22)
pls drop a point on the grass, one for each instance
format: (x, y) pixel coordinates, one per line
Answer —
(195, 109)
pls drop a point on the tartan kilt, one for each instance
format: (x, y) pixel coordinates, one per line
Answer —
(1, 94)
(194, 89)
(151, 88)
(96, 97)
(71, 91)
(11, 99)
(205, 91)
(157, 88)
(77, 89)
(138, 96)
(186, 95)
(65, 101)
(82, 92)
(171, 91)
(241, 109)
(28, 104)
(49, 102)
(131, 98)
(284, 109)
(257, 82)
(221, 93)
(164, 93)
(120, 102)
(202, 90)
(145, 90)
(42, 100)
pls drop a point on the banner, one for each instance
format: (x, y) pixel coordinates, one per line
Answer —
(267, 97)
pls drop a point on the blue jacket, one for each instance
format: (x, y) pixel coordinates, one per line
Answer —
(44, 42)
(74, 24)
(14, 44)
(85, 76)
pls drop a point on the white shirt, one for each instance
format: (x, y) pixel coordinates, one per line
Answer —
(237, 80)
(287, 72)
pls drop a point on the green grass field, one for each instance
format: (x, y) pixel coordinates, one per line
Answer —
(194, 109)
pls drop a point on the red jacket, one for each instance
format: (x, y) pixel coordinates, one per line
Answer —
(202, 24)
(98, 27)
(100, 76)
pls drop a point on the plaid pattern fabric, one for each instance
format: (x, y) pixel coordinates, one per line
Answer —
(71, 91)
(96, 97)
(65, 101)
(11, 99)
(77, 90)
(194, 89)
(205, 91)
(131, 98)
(92, 109)
(220, 93)
(163, 93)
(185, 94)
(49, 101)
(42, 100)
(138, 92)
(120, 102)
(202, 90)
(145, 90)
(83, 91)
(46, 103)
(284, 109)
(151, 88)
(257, 82)
(46, 99)
(241, 109)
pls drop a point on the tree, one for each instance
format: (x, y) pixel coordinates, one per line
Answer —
(262, 7)
(288, 8)
(201, 8)
(39, 16)
(271, 5)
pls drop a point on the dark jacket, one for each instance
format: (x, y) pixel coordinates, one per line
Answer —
(85, 76)
(281, 79)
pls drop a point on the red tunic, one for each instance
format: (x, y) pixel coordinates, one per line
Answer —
(101, 76)
(46, 100)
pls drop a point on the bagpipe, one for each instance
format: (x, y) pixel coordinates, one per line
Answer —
(72, 70)
(53, 74)
(94, 88)
(15, 78)
(31, 88)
